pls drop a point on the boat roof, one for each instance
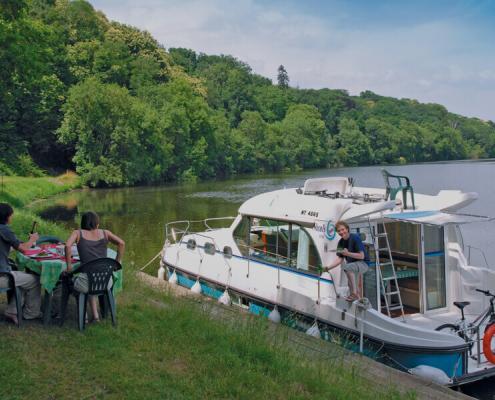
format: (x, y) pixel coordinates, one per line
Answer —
(314, 203)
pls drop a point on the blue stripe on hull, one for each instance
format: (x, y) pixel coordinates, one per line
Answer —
(451, 364)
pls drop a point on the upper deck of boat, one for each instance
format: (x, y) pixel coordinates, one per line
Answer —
(333, 198)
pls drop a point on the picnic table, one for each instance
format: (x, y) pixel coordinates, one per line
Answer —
(48, 262)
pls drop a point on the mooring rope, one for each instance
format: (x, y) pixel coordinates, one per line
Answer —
(150, 261)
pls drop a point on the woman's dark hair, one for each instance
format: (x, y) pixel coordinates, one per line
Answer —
(89, 221)
(5, 212)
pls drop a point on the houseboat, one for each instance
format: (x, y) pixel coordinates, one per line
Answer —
(270, 260)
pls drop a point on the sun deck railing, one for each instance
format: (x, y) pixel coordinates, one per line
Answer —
(176, 230)
(480, 252)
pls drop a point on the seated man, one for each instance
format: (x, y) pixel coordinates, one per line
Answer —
(30, 284)
(351, 249)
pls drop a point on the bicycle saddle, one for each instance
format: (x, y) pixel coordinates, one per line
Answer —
(461, 304)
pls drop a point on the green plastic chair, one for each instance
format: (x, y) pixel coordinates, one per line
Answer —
(402, 185)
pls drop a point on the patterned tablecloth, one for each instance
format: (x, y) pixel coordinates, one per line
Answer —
(50, 268)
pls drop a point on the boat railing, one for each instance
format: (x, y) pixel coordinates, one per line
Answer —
(479, 252)
(208, 220)
(176, 230)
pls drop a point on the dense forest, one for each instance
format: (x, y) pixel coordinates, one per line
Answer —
(78, 91)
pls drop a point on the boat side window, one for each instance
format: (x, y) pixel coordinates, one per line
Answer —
(303, 253)
(209, 248)
(269, 240)
(241, 235)
(434, 264)
(227, 252)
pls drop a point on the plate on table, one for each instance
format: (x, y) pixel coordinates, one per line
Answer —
(43, 254)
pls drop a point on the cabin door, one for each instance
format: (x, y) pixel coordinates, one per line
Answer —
(433, 267)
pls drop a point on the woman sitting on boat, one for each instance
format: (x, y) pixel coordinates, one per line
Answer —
(91, 245)
(351, 250)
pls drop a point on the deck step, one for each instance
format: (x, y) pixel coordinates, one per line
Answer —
(392, 293)
(393, 307)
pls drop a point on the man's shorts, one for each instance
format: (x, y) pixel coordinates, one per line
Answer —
(356, 267)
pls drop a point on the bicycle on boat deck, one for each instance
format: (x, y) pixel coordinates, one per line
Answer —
(470, 331)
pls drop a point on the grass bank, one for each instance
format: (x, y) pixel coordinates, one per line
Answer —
(164, 347)
(20, 191)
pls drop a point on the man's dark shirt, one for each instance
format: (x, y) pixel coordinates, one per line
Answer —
(354, 245)
(7, 240)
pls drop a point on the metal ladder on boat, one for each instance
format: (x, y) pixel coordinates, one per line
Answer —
(386, 271)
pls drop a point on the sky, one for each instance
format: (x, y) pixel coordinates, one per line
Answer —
(440, 51)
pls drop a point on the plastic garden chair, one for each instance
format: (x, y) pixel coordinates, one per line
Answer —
(99, 273)
(402, 185)
(12, 290)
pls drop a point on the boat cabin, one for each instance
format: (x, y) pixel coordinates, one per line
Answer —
(295, 229)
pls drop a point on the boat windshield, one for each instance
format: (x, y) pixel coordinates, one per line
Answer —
(277, 242)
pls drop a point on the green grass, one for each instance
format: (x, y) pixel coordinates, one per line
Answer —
(20, 191)
(170, 348)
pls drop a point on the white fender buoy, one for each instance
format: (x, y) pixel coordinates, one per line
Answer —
(313, 330)
(274, 315)
(431, 373)
(225, 298)
(161, 273)
(196, 288)
(173, 279)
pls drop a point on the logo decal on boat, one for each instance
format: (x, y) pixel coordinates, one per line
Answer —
(330, 231)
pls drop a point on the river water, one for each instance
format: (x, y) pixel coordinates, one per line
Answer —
(139, 214)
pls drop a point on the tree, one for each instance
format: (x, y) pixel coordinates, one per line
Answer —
(354, 146)
(118, 139)
(304, 137)
(282, 77)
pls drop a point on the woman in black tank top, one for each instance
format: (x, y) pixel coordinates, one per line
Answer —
(91, 245)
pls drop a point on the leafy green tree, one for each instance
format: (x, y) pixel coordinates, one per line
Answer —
(112, 63)
(186, 58)
(354, 147)
(272, 102)
(114, 134)
(304, 137)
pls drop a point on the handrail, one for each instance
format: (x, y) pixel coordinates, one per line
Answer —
(478, 249)
(215, 219)
(189, 223)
